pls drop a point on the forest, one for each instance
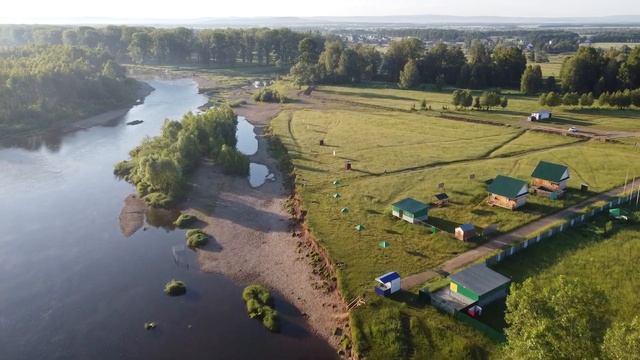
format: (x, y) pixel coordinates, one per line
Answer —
(42, 86)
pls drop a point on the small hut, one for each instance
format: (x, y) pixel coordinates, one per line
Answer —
(479, 284)
(410, 210)
(442, 199)
(507, 192)
(550, 177)
(465, 232)
(388, 284)
(540, 115)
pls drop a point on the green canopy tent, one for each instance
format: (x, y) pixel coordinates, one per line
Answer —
(344, 210)
(360, 228)
(336, 196)
(336, 182)
(384, 244)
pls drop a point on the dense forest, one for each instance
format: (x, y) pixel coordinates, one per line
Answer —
(40, 86)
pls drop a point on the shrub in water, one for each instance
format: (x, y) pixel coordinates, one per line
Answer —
(260, 306)
(185, 220)
(196, 238)
(270, 319)
(175, 288)
(157, 199)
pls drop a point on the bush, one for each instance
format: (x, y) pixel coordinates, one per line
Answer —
(158, 200)
(196, 238)
(269, 95)
(123, 169)
(233, 162)
(175, 288)
(260, 306)
(270, 319)
(185, 220)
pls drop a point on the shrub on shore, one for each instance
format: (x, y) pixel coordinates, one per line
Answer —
(175, 287)
(185, 220)
(260, 306)
(269, 95)
(233, 162)
(196, 238)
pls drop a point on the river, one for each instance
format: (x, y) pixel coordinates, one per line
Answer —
(72, 286)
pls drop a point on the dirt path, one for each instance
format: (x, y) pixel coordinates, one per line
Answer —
(252, 233)
(517, 235)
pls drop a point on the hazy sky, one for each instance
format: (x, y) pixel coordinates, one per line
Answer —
(29, 9)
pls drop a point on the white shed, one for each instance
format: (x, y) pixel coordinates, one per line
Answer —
(388, 284)
(540, 115)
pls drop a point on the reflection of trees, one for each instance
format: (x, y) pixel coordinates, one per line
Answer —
(51, 140)
(162, 218)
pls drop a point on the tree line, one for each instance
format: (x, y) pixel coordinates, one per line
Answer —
(41, 86)
(158, 167)
(618, 99)
(167, 46)
(409, 63)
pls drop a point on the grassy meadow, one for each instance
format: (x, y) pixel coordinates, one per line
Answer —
(396, 153)
(385, 97)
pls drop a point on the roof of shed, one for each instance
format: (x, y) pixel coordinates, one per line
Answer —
(410, 205)
(550, 171)
(467, 227)
(506, 186)
(388, 277)
(479, 279)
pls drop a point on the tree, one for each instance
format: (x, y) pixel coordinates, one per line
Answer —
(440, 82)
(467, 99)
(531, 81)
(553, 99)
(570, 99)
(489, 99)
(554, 320)
(586, 100)
(509, 63)
(550, 84)
(409, 77)
(622, 340)
(603, 99)
(504, 102)
(423, 104)
(635, 97)
(582, 71)
(542, 100)
(476, 102)
(457, 96)
(304, 73)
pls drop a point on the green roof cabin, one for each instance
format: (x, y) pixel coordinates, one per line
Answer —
(410, 210)
(478, 285)
(549, 176)
(507, 192)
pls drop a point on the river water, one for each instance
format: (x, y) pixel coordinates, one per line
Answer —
(73, 287)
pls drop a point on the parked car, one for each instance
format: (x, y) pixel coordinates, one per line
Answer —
(572, 129)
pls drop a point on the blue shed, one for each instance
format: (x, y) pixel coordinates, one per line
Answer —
(388, 284)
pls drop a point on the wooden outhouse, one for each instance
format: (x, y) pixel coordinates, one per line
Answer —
(410, 210)
(550, 176)
(465, 232)
(507, 192)
(479, 284)
(388, 284)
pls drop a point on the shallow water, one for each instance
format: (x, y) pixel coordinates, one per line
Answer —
(73, 287)
(247, 141)
(257, 174)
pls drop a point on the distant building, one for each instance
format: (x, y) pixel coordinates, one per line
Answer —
(465, 232)
(508, 192)
(479, 285)
(388, 284)
(540, 115)
(410, 210)
(550, 176)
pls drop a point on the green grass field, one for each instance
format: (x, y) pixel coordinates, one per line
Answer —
(383, 96)
(395, 154)
(607, 261)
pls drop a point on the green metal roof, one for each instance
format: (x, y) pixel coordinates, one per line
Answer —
(479, 279)
(506, 186)
(550, 171)
(410, 205)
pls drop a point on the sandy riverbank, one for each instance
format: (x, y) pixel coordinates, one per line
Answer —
(253, 241)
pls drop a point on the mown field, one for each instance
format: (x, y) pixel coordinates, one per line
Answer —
(519, 108)
(396, 154)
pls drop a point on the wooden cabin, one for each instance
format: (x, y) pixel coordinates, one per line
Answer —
(550, 176)
(508, 192)
(410, 210)
(465, 232)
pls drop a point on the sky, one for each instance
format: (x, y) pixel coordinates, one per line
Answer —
(18, 10)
